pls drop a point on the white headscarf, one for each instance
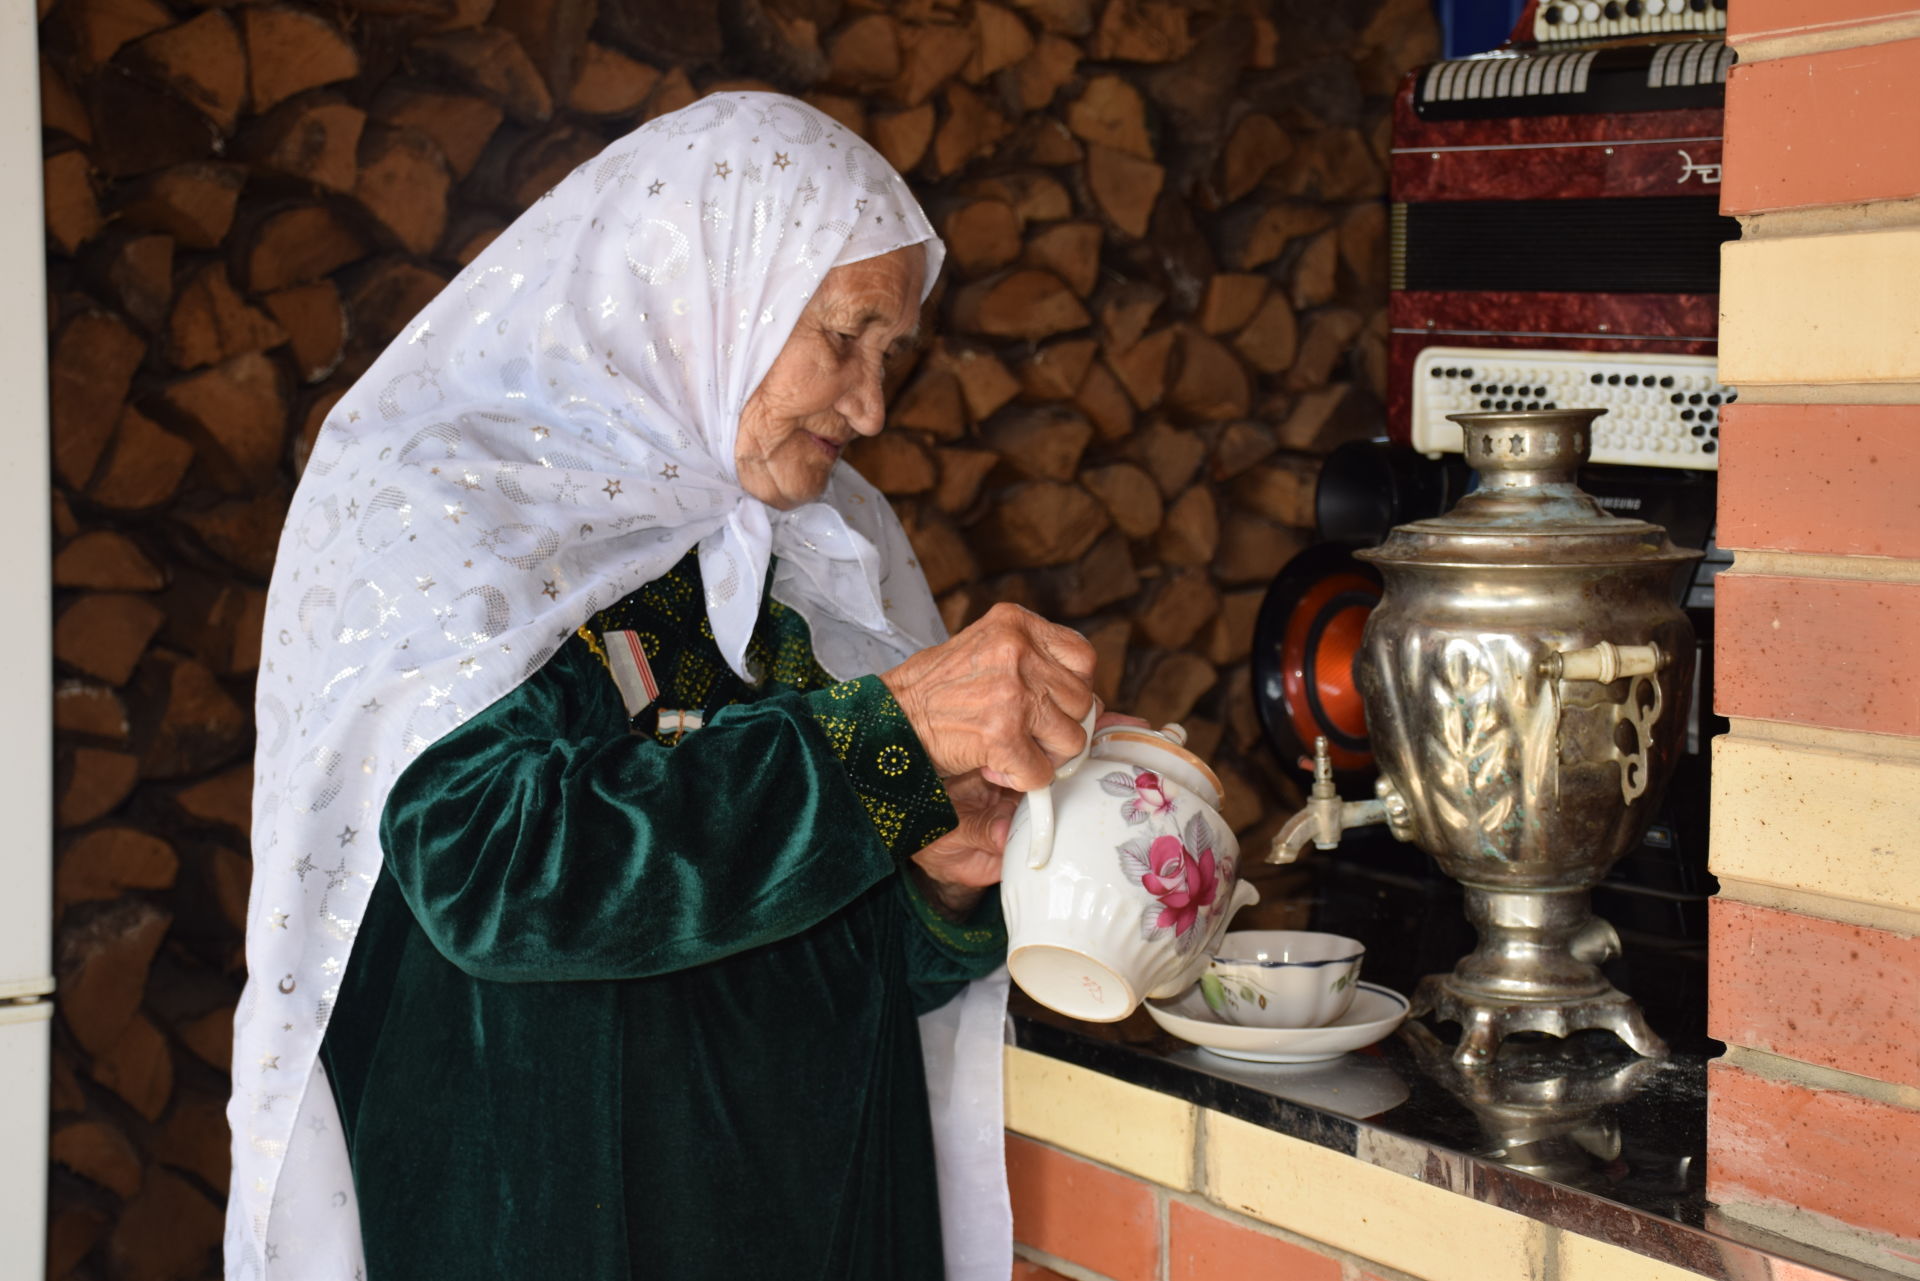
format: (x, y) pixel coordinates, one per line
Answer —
(553, 431)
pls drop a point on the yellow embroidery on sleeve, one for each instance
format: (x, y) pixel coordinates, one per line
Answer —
(839, 731)
(888, 819)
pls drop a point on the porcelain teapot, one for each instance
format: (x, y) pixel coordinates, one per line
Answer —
(1120, 875)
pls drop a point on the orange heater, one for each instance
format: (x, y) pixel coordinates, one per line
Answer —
(1304, 645)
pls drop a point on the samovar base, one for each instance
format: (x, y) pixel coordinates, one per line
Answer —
(1537, 969)
(1487, 1021)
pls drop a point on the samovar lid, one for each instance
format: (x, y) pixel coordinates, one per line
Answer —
(1528, 509)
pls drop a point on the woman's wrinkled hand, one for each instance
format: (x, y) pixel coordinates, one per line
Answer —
(1005, 697)
(958, 866)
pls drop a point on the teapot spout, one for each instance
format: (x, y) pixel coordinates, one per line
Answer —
(1244, 895)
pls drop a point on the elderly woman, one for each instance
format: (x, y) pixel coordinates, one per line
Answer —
(619, 805)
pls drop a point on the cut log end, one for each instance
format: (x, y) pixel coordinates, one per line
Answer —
(1021, 304)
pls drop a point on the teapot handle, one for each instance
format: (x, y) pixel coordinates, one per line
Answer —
(1040, 800)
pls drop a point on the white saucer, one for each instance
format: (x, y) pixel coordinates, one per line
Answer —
(1375, 1013)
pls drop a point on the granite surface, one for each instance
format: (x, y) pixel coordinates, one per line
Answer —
(1580, 1134)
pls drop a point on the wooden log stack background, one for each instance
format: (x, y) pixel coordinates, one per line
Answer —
(1165, 301)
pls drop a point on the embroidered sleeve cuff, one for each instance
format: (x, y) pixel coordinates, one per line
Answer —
(982, 937)
(884, 762)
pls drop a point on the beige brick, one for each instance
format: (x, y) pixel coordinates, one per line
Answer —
(1376, 1213)
(1819, 812)
(1097, 1117)
(1821, 309)
(1585, 1259)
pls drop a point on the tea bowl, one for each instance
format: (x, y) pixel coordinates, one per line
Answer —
(1281, 978)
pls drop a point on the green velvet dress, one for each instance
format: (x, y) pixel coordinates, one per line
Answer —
(631, 1003)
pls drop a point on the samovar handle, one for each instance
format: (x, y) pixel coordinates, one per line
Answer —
(1604, 663)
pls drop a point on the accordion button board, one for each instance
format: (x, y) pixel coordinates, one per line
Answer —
(1662, 411)
(1573, 80)
(1561, 20)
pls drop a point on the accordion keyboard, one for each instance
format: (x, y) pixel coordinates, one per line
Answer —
(1561, 20)
(1662, 411)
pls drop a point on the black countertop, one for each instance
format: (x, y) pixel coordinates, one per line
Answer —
(1579, 1134)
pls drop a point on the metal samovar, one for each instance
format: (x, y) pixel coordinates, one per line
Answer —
(1525, 678)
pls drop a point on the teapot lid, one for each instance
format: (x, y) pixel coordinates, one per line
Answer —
(1170, 739)
(1528, 509)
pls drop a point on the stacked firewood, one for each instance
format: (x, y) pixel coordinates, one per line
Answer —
(1164, 302)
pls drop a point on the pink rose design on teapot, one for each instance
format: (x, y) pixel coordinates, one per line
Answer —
(1145, 794)
(1184, 884)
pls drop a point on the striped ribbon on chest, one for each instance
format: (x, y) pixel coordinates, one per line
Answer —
(632, 673)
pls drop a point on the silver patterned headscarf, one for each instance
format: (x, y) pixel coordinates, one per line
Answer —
(553, 431)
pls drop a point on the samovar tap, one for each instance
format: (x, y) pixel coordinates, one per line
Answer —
(1325, 817)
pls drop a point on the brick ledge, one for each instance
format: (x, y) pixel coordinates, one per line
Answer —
(1581, 1234)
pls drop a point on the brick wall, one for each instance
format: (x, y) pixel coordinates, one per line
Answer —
(1815, 1109)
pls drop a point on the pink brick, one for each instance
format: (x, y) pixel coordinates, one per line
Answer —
(1819, 651)
(1759, 19)
(1206, 1247)
(1829, 479)
(1836, 1154)
(1083, 1213)
(1823, 129)
(1024, 1270)
(1841, 996)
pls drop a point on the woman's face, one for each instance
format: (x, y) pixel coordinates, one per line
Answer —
(825, 385)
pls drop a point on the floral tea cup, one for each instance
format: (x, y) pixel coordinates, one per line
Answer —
(1120, 876)
(1282, 978)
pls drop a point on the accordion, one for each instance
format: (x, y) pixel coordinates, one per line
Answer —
(1556, 230)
